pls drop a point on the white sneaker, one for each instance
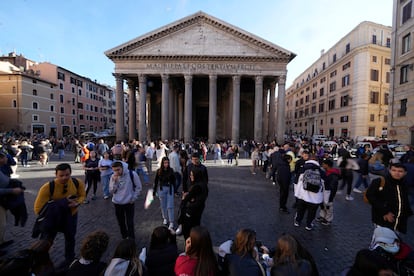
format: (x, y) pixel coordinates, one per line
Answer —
(165, 222)
(356, 190)
(349, 198)
(179, 230)
(171, 227)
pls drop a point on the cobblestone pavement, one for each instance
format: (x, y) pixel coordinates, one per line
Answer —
(237, 199)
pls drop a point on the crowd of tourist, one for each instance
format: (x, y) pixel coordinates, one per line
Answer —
(317, 176)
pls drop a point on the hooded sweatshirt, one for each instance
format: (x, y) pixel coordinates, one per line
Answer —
(123, 189)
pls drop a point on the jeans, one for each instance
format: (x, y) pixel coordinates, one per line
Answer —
(105, 184)
(125, 217)
(178, 179)
(362, 180)
(302, 207)
(61, 153)
(166, 196)
(142, 171)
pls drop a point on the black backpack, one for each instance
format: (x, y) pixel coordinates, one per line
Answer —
(312, 180)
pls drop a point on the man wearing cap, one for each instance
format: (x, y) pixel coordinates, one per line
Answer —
(390, 205)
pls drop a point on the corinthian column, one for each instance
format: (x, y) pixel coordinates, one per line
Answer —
(281, 120)
(132, 114)
(142, 129)
(235, 125)
(258, 109)
(272, 112)
(188, 108)
(120, 131)
(212, 109)
(164, 107)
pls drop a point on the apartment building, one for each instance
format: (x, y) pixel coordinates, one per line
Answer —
(401, 124)
(72, 103)
(345, 92)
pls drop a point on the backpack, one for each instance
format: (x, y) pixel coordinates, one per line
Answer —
(382, 184)
(312, 181)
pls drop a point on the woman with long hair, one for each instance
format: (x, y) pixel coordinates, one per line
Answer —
(199, 258)
(125, 261)
(243, 259)
(287, 261)
(164, 187)
(347, 165)
(105, 167)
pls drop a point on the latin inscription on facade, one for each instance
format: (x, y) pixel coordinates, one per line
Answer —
(201, 67)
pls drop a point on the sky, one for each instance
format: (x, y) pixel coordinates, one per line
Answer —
(74, 34)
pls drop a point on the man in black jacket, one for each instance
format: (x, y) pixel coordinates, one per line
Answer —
(390, 205)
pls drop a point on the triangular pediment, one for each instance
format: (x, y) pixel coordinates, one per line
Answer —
(199, 35)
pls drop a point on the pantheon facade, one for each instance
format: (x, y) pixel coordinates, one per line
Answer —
(200, 77)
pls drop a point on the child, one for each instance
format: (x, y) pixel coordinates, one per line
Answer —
(331, 186)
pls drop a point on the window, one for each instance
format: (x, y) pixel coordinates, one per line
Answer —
(52, 119)
(81, 117)
(347, 48)
(345, 80)
(35, 105)
(314, 95)
(14, 103)
(372, 117)
(331, 104)
(386, 96)
(306, 101)
(387, 77)
(346, 66)
(344, 101)
(374, 75)
(80, 92)
(321, 122)
(323, 79)
(34, 92)
(385, 118)
(406, 12)
(332, 121)
(333, 74)
(61, 98)
(62, 109)
(62, 120)
(387, 61)
(73, 90)
(323, 66)
(321, 107)
(73, 112)
(61, 86)
(52, 96)
(313, 110)
(406, 44)
(388, 42)
(374, 59)
(52, 108)
(35, 118)
(61, 76)
(334, 58)
(371, 131)
(332, 86)
(344, 119)
(403, 107)
(404, 74)
(321, 92)
(374, 39)
(374, 97)
(34, 81)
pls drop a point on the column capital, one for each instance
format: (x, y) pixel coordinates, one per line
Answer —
(282, 79)
(212, 77)
(258, 78)
(117, 76)
(142, 78)
(236, 78)
(131, 83)
(164, 77)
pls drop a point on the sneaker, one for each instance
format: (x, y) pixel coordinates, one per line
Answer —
(296, 224)
(325, 222)
(308, 228)
(85, 201)
(179, 230)
(356, 190)
(349, 198)
(284, 211)
(171, 226)
(106, 197)
(165, 222)
(93, 197)
(253, 173)
(274, 183)
(319, 219)
(339, 192)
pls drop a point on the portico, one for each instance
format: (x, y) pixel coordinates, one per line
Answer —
(200, 77)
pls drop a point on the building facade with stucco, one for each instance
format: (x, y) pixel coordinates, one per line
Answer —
(200, 77)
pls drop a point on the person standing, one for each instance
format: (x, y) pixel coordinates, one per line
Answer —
(389, 202)
(164, 186)
(175, 164)
(347, 166)
(105, 168)
(69, 196)
(102, 148)
(362, 173)
(4, 191)
(149, 154)
(283, 178)
(92, 174)
(331, 186)
(308, 201)
(125, 187)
